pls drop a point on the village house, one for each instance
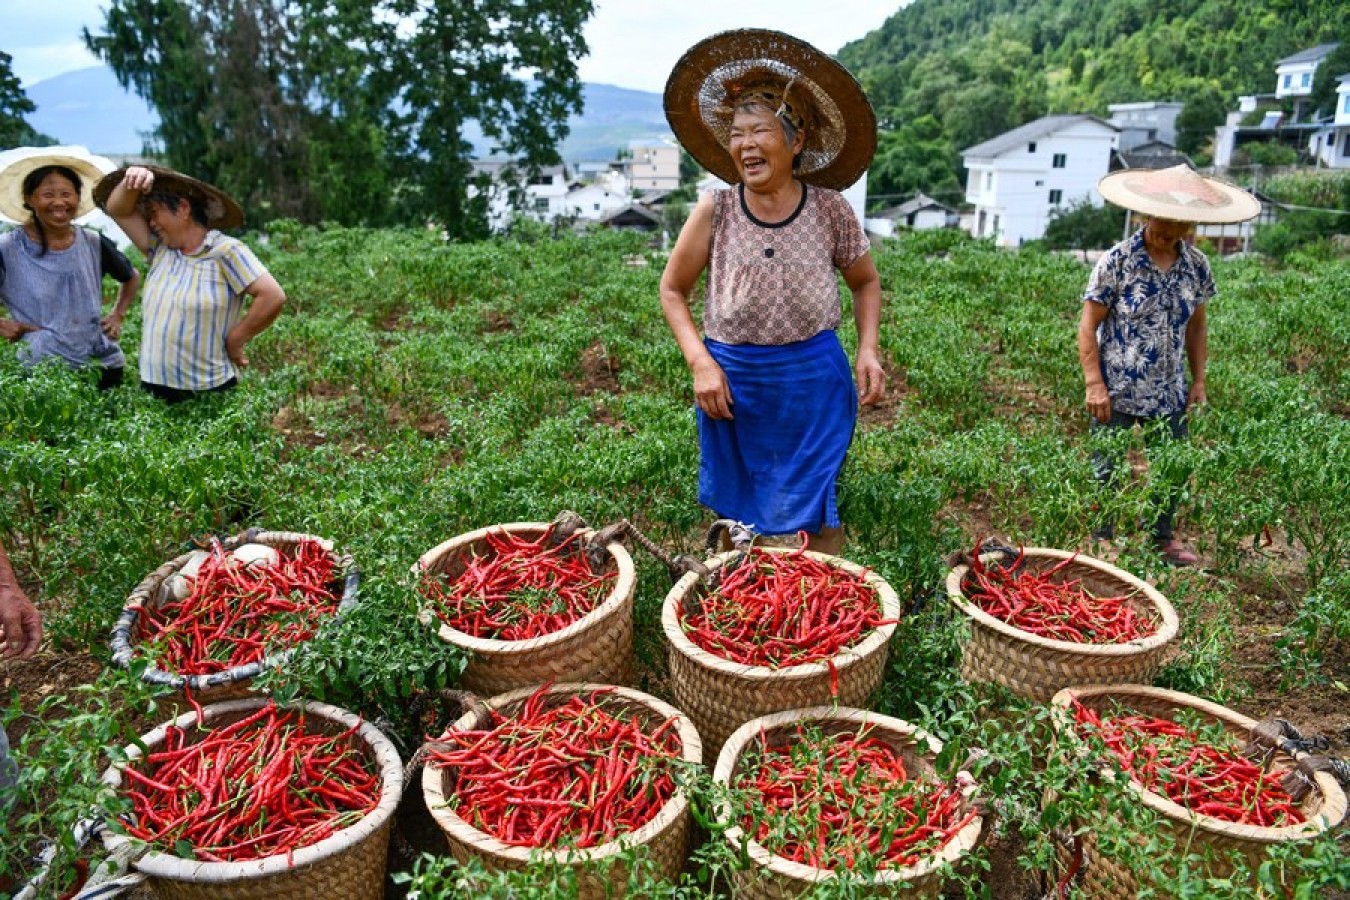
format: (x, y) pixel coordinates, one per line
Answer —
(654, 165)
(1148, 122)
(918, 213)
(1330, 144)
(592, 202)
(1017, 180)
(1294, 78)
(541, 195)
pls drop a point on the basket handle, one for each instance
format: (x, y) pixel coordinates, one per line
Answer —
(738, 534)
(676, 566)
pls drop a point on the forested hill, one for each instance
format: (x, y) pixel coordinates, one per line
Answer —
(947, 74)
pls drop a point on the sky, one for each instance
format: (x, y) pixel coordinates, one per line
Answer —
(633, 43)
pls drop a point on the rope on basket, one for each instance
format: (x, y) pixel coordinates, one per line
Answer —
(1273, 734)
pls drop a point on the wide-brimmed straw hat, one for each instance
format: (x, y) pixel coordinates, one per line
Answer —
(221, 209)
(15, 166)
(1180, 194)
(820, 95)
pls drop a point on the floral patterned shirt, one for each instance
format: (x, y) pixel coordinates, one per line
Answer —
(1143, 338)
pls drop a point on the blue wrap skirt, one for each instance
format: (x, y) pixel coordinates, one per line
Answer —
(776, 464)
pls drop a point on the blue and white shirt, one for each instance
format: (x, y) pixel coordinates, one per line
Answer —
(1143, 337)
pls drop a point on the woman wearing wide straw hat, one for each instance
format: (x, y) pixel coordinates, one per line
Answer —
(1143, 319)
(51, 269)
(788, 127)
(195, 324)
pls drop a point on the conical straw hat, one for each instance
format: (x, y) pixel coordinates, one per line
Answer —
(1180, 194)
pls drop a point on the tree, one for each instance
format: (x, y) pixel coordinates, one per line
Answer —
(1204, 111)
(1082, 226)
(914, 157)
(423, 70)
(1328, 75)
(14, 105)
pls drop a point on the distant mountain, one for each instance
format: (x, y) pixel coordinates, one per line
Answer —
(89, 107)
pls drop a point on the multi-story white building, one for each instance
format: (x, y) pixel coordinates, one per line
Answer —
(654, 165)
(542, 195)
(1145, 123)
(1016, 180)
(1330, 144)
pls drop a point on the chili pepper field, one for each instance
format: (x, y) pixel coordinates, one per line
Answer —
(413, 391)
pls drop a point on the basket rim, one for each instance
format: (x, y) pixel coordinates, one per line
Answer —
(165, 865)
(1333, 797)
(1167, 628)
(848, 656)
(618, 595)
(691, 751)
(124, 651)
(963, 841)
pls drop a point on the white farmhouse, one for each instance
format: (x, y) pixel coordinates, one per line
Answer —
(593, 202)
(1330, 144)
(654, 165)
(1016, 180)
(1294, 75)
(543, 193)
(1147, 122)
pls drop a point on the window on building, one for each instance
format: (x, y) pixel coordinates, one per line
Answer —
(1056, 196)
(1031, 148)
(596, 208)
(994, 229)
(1346, 106)
(1305, 80)
(988, 181)
(1289, 81)
(1059, 161)
(541, 204)
(1040, 182)
(1345, 151)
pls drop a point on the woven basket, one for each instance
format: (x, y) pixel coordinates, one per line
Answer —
(772, 877)
(1107, 878)
(349, 864)
(1036, 667)
(597, 648)
(720, 695)
(235, 682)
(665, 838)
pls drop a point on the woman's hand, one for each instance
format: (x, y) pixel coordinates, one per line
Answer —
(871, 377)
(1197, 396)
(234, 347)
(1099, 402)
(112, 325)
(11, 330)
(712, 393)
(138, 178)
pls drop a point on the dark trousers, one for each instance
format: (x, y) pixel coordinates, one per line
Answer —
(109, 378)
(178, 395)
(1106, 466)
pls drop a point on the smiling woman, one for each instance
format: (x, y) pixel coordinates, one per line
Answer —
(776, 403)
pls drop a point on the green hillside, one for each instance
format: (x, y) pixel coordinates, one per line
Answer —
(947, 74)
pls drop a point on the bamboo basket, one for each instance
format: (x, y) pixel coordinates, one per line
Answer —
(720, 695)
(235, 682)
(772, 877)
(597, 648)
(1106, 878)
(349, 863)
(600, 871)
(1036, 667)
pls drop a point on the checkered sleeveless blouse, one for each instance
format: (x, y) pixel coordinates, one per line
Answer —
(777, 283)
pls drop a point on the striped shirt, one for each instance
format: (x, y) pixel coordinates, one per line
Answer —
(191, 301)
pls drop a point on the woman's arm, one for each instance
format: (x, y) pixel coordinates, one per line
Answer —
(126, 294)
(1197, 355)
(865, 284)
(687, 261)
(122, 205)
(1089, 357)
(19, 618)
(268, 298)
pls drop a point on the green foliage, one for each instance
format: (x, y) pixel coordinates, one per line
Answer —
(981, 67)
(417, 389)
(1270, 154)
(1083, 226)
(14, 106)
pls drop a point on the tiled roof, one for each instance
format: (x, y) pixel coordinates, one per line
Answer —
(1034, 130)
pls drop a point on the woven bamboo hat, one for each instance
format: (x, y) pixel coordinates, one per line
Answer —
(221, 209)
(816, 93)
(1180, 194)
(17, 164)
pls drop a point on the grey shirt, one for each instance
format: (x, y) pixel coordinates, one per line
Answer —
(59, 292)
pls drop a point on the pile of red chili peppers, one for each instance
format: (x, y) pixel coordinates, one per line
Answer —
(522, 589)
(1168, 759)
(573, 775)
(782, 609)
(235, 614)
(832, 800)
(1062, 610)
(255, 788)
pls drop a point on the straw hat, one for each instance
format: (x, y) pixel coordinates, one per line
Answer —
(221, 209)
(1180, 194)
(821, 96)
(17, 164)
